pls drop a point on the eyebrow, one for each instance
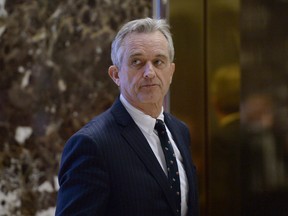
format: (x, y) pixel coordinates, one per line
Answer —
(137, 54)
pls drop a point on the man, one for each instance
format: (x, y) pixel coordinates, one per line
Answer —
(115, 164)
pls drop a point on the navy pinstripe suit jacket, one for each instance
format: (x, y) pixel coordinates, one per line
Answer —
(109, 169)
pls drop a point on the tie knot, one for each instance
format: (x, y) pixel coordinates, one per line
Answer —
(160, 127)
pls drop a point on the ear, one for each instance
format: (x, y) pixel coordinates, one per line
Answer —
(114, 74)
(172, 71)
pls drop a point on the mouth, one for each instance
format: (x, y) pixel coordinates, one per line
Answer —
(149, 85)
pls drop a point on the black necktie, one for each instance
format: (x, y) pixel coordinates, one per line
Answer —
(172, 168)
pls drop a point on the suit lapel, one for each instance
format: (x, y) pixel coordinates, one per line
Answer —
(179, 140)
(134, 137)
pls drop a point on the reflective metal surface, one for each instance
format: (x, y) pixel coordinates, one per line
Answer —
(264, 106)
(189, 81)
(231, 86)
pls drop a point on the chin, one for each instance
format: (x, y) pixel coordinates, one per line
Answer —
(149, 99)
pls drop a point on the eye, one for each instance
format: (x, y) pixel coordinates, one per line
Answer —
(159, 63)
(135, 62)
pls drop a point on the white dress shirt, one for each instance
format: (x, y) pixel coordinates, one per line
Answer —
(146, 124)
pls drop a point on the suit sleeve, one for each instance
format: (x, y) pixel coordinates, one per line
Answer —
(83, 179)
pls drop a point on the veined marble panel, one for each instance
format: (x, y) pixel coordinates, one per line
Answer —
(54, 57)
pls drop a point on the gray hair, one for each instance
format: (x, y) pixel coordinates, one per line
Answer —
(146, 25)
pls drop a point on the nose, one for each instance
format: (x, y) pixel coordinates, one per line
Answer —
(149, 70)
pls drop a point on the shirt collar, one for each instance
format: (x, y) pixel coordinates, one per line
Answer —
(145, 122)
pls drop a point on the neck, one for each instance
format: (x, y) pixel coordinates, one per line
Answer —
(152, 110)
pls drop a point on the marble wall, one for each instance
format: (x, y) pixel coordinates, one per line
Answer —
(54, 57)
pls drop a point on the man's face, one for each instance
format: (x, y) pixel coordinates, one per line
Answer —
(146, 70)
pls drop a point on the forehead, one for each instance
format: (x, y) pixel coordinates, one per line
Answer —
(153, 43)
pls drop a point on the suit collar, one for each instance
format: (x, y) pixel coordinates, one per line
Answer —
(120, 114)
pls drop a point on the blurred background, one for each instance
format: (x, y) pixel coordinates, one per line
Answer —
(230, 87)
